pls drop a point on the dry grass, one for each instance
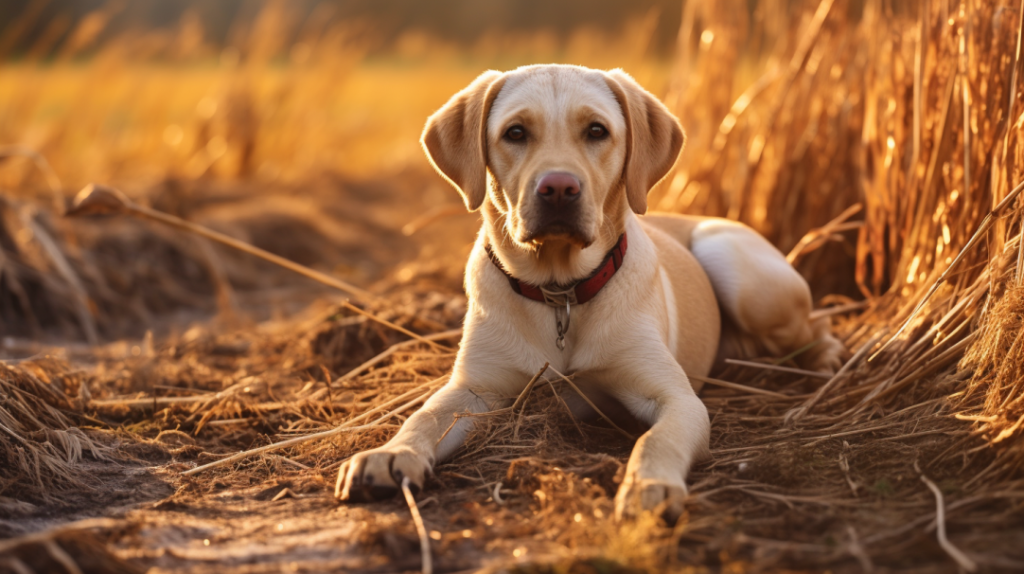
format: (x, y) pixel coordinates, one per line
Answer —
(41, 445)
(909, 458)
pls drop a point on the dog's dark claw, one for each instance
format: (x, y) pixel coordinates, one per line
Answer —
(367, 479)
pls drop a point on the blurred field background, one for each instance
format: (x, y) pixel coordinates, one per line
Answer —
(877, 142)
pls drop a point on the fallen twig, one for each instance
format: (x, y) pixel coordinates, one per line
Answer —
(284, 492)
(279, 445)
(154, 402)
(421, 529)
(838, 309)
(521, 399)
(738, 387)
(955, 553)
(290, 461)
(769, 367)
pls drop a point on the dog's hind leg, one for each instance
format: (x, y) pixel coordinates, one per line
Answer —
(766, 301)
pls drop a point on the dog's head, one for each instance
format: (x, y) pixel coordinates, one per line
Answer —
(566, 147)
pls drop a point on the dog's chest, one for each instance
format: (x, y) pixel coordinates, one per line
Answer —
(589, 341)
(523, 333)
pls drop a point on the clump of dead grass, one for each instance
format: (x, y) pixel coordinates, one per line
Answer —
(993, 397)
(41, 442)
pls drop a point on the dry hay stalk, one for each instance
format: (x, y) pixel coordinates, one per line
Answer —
(38, 272)
(425, 391)
(427, 565)
(599, 412)
(962, 559)
(777, 368)
(926, 245)
(737, 387)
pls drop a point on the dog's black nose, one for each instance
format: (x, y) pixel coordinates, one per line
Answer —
(559, 188)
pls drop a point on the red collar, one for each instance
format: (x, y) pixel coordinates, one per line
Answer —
(576, 293)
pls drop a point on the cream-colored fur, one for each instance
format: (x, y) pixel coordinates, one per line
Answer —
(656, 321)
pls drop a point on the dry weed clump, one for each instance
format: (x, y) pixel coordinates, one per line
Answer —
(993, 398)
(922, 100)
(41, 440)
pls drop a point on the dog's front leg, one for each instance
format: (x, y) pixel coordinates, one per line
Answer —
(660, 394)
(377, 474)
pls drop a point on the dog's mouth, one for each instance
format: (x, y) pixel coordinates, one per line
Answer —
(557, 231)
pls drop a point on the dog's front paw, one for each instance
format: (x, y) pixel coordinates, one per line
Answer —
(377, 474)
(637, 495)
(828, 356)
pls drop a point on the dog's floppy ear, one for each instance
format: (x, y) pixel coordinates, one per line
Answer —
(455, 137)
(653, 138)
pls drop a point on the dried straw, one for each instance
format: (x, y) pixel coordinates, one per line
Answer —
(427, 566)
(425, 391)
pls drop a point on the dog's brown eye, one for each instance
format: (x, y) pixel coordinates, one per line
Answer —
(515, 133)
(597, 131)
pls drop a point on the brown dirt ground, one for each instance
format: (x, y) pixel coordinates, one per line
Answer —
(766, 501)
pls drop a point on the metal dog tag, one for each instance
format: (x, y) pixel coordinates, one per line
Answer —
(561, 328)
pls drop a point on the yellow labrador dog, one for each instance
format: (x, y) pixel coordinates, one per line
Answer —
(560, 159)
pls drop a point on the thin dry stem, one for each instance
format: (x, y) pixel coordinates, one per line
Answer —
(427, 566)
(955, 553)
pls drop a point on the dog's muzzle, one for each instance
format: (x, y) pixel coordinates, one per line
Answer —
(557, 213)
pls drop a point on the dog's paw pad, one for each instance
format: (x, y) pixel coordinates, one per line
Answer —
(828, 356)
